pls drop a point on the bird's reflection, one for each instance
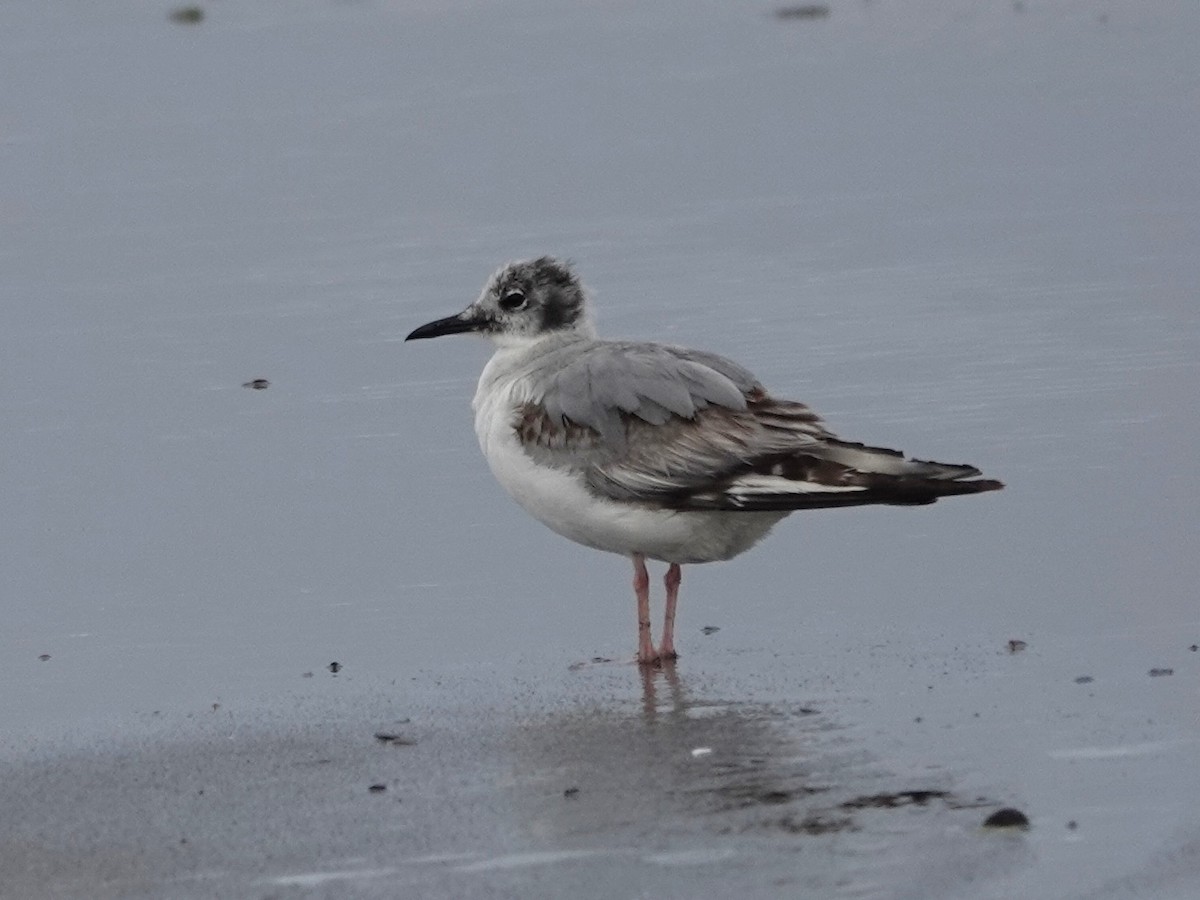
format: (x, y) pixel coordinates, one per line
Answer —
(667, 674)
(656, 768)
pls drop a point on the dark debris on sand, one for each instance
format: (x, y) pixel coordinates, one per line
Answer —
(1008, 817)
(187, 15)
(803, 11)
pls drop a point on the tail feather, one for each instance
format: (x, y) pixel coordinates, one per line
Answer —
(882, 461)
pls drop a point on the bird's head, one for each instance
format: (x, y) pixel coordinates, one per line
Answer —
(522, 302)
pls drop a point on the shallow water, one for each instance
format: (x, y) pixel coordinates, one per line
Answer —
(966, 232)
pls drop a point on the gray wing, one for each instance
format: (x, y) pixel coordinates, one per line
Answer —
(683, 429)
(605, 383)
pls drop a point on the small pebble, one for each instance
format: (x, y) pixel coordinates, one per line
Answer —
(44, 657)
(1159, 673)
(1194, 647)
(1015, 646)
(334, 667)
(1072, 825)
(1007, 818)
(571, 792)
(710, 629)
(258, 384)
(701, 751)
(1084, 679)
(377, 788)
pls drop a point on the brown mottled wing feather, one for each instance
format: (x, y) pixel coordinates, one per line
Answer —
(653, 424)
(688, 458)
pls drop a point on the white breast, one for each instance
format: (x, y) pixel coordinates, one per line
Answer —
(560, 499)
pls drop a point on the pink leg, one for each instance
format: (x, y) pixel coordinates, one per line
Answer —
(666, 650)
(641, 586)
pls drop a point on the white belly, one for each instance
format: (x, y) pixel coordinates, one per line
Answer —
(561, 501)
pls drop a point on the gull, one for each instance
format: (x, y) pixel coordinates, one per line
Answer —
(655, 451)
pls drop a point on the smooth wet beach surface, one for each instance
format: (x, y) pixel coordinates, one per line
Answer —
(873, 779)
(968, 232)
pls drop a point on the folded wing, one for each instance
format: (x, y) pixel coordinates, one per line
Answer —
(674, 428)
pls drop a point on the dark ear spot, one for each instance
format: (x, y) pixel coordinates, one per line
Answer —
(562, 292)
(556, 316)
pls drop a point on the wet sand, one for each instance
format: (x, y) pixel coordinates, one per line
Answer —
(872, 778)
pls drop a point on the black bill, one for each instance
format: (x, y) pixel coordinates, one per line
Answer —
(449, 325)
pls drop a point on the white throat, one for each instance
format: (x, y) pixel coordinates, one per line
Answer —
(583, 329)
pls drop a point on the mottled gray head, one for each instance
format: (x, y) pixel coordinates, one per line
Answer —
(522, 301)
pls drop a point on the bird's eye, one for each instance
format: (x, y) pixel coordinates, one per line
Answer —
(512, 301)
